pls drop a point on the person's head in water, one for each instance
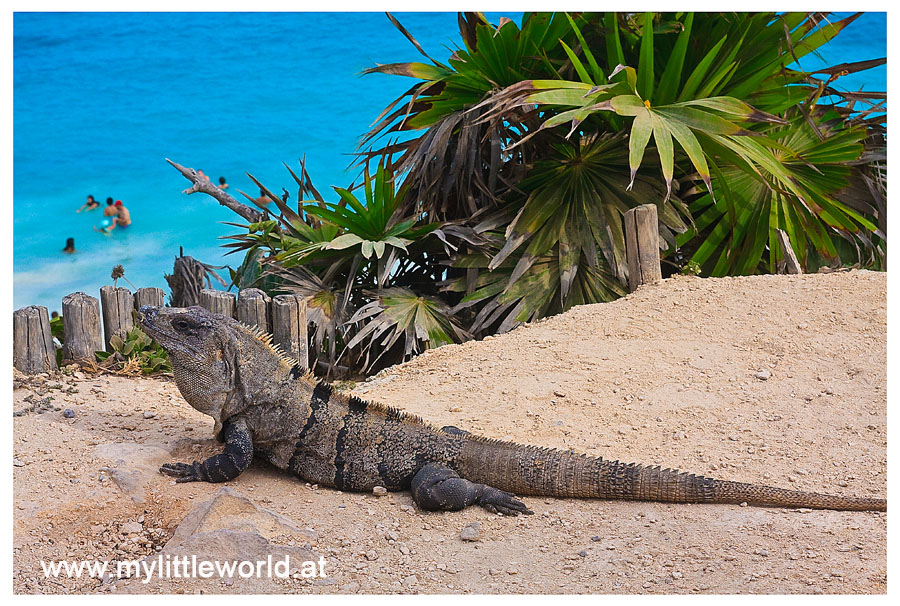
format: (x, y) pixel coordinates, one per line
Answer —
(110, 201)
(70, 245)
(91, 201)
(221, 180)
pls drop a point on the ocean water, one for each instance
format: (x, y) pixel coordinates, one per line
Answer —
(101, 99)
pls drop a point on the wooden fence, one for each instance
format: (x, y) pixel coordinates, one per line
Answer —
(33, 351)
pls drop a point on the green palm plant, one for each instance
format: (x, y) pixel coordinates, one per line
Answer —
(711, 90)
(356, 262)
(504, 173)
(720, 129)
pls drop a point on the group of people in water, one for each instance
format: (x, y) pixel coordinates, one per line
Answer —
(116, 215)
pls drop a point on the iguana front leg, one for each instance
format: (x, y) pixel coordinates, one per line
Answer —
(221, 467)
(436, 488)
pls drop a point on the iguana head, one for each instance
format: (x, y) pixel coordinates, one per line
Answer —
(204, 350)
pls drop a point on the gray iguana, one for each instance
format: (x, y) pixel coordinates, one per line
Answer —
(264, 405)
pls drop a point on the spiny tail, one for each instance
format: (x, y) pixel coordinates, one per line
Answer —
(527, 470)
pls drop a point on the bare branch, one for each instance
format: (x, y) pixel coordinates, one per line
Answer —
(250, 214)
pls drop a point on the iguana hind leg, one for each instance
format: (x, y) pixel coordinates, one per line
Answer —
(438, 488)
(221, 467)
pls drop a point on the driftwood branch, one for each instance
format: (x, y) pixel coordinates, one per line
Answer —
(207, 187)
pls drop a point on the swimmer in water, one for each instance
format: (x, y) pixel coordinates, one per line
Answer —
(91, 204)
(70, 246)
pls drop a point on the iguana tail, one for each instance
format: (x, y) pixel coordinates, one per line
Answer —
(528, 470)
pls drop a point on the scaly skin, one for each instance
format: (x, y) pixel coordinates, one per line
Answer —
(265, 406)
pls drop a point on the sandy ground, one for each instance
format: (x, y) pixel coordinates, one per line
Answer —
(670, 375)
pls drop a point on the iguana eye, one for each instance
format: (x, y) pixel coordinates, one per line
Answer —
(181, 324)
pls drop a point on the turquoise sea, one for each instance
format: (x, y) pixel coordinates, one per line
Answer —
(101, 99)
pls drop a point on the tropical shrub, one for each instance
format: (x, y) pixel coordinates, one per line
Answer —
(503, 174)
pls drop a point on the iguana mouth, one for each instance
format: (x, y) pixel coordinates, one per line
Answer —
(144, 315)
(167, 339)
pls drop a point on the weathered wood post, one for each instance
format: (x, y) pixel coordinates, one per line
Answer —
(81, 323)
(253, 308)
(790, 262)
(289, 327)
(33, 350)
(642, 246)
(117, 304)
(217, 301)
(149, 296)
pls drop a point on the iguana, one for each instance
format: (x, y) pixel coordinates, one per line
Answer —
(264, 405)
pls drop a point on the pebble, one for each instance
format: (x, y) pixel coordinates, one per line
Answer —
(351, 587)
(380, 491)
(131, 528)
(583, 553)
(69, 413)
(676, 575)
(512, 570)
(18, 463)
(763, 375)
(471, 532)
(149, 414)
(371, 555)
(559, 394)
(411, 580)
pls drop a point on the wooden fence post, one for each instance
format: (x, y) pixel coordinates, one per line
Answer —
(253, 308)
(289, 327)
(149, 296)
(642, 246)
(117, 304)
(33, 350)
(790, 262)
(217, 301)
(81, 323)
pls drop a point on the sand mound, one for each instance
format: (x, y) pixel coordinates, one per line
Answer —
(771, 379)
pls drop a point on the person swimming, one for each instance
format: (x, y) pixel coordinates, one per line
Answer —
(116, 215)
(222, 183)
(70, 245)
(123, 217)
(91, 204)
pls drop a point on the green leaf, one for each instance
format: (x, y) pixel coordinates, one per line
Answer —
(646, 77)
(599, 77)
(637, 142)
(628, 105)
(671, 78)
(344, 241)
(414, 69)
(576, 63)
(663, 138)
(696, 78)
(614, 53)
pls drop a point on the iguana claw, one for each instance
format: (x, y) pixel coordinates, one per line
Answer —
(184, 472)
(497, 501)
